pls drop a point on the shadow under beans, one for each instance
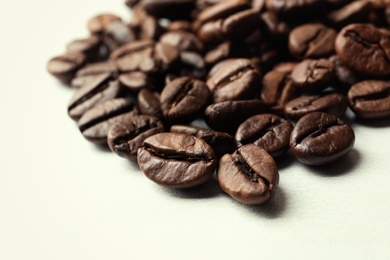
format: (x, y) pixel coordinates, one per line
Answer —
(103, 148)
(341, 167)
(206, 190)
(285, 160)
(374, 123)
(274, 208)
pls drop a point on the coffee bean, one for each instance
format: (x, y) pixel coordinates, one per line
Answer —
(98, 90)
(320, 138)
(222, 143)
(184, 41)
(116, 34)
(176, 160)
(313, 75)
(150, 28)
(135, 81)
(350, 13)
(249, 175)
(235, 79)
(184, 99)
(370, 99)
(91, 71)
(274, 26)
(371, 43)
(88, 46)
(277, 89)
(125, 137)
(218, 54)
(333, 103)
(98, 24)
(313, 40)
(149, 103)
(65, 66)
(270, 132)
(227, 116)
(295, 7)
(97, 121)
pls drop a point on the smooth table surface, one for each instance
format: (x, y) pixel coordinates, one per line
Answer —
(64, 198)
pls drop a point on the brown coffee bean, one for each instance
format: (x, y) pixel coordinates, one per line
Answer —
(220, 53)
(235, 79)
(176, 160)
(97, 121)
(313, 40)
(180, 25)
(98, 90)
(356, 11)
(227, 116)
(135, 81)
(320, 138)
(149, 103)
(125, 137)
(333, 103)
(295, 7)
(98, 24)
(222, 143)
(150, 28)
(313, 75)
(370, 99)
(371, 43)
(65, 66)
(274, 26)
(184, 41)
(91, 71)
(88, 46)
(249, 175)
(116, 34)
(184, 99)
(270, 132)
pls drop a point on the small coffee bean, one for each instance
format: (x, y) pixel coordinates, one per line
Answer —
(91, 71)
(351, 13)
(125, 137)
(227, 116)
(270, 132)
(249, 175)
(222, 143)
(97, 121)
(371, 43)
(117, 34)
(184, 41)
(149, 103)
(235, 79)
(98, 90)
(370, 99)
(333, 103)
(313, 75)
(137, 80)
(313, 40)
(320, 138)
(220, 53)
(176, 160)
(98, 24)
(64, 67)
(184, 99)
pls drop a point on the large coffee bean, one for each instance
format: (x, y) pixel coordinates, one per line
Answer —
(370, 99)
(365, 48)
(96, 122)
(320, 138)
(249, 175)
(184, 99)
(176, 160)
(270, 132)
(125, 137)
(235, 79)
(92, 71)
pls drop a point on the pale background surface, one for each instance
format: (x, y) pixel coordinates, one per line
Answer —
(63, 198)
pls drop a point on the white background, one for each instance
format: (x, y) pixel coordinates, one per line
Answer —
(63, 198)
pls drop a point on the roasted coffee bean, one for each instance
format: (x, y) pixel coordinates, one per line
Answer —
(184, 41)
(333, 103)
(357, 11)
(275, 27)
(371, 43)
(117, 34)
(98, 90)
(222, 143)
(277, 89)
(370, 99)
(344, 75)
(171, 9)
(97, 121)
(227, 116)
(320, 138)
(270, 132)
(235, 79)
(220, 53)
(176, 160)
(89, 47)
(313, 40)
(295, 7)
(91, 71)
(135, 81)
(184, 99)
(249, 175)
(149, 103)
(65, 66)
(150, 28)
(180, 25)
(313, 75)
(98, 24)
(192, 65)
(125, 137)
(146, 56)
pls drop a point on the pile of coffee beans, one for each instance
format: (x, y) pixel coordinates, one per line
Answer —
(266, 76)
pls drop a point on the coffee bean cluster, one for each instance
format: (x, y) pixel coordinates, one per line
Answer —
(266, 76)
